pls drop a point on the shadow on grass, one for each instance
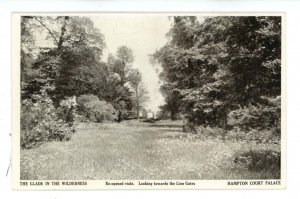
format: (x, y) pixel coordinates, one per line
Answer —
(178, 126)
(261, 161)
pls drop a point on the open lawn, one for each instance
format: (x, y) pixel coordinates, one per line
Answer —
(135, 150)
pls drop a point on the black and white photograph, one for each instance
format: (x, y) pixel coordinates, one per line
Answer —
(149, 100)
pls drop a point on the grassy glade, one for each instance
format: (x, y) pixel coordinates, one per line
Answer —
(253, 125)
(156, 151)
(260, 158)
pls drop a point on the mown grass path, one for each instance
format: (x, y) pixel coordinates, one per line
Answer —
(134, 150)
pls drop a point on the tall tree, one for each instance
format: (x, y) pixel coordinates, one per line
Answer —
(66, 31)
(27, 45)
(71, 58)
(140, 91)
(119, 67)
(221, 64)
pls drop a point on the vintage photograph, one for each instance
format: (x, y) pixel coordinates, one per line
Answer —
(149, 96)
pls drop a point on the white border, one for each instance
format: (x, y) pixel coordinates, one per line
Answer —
(291, 8)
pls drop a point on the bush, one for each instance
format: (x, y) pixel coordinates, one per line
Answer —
(101, 111)
(207, 131)
(66, 110)
(260, 161)
(95, 110)
(42, 122)
(83, 99)
(253, 135)
(260, 123)
(261, 116)
(236, 134)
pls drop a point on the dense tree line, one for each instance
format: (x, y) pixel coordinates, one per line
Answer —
(61, 61)
(223, 71)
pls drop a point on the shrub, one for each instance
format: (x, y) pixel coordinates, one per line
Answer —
(260, 161)
(236, 134)
(261, 116)
(259, 122)
(66, 110)
(262, 136)
(253, 135)
(101, 111)
(208, 132)
(41, 121)
(83, 99)
(95, 110)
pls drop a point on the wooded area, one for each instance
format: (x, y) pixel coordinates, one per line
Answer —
(70, 67)
(224, 72)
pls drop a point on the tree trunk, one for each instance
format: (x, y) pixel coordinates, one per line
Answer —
(224, 120)
(137, 101)
(224, 125)
(173, 115)
(62, 34)
(138, 113)
(120, 116)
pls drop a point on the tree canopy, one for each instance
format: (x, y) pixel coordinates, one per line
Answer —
(70, 62)
(220, 65)
(140, 92)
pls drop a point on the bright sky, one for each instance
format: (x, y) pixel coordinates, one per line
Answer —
(143, 34)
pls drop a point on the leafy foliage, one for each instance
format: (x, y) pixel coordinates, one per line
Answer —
(119, 67)
(140, 95)
(52, 76)
(261, 116)
(69, 61)
(41, 121)
(95, 110)
(73, 56)
(225, 71)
